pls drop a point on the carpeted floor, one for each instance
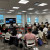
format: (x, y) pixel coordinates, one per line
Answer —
(4, 46)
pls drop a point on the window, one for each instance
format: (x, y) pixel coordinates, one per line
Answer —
(19, 19)
(1, 19)
(28, 20)
(36, 20)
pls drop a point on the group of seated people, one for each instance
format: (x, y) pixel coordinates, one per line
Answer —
(35, 32)
(41, 29)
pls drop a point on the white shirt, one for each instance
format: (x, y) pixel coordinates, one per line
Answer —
(40, 34)
(19, 35)
(45, 30)
(33, 27)
(7, 35)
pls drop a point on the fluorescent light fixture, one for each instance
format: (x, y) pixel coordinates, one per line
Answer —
(15, 7)
(43, 4)
(11, 10)
(19, 13)
(45, 10)
(36, 11)
(30, 13)
(30, 8)
(24, 11)
(23, 1)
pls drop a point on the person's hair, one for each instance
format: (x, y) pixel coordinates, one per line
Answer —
(34, 24)
(41, 22)
(40, 28)
(29, 29)
(44, 25)
(20, 32)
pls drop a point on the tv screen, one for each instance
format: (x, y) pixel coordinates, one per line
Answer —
(10, 20)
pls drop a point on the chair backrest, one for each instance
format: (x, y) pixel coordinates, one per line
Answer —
(7, 35)
(30, 43)
(37, 36)
(3, 34)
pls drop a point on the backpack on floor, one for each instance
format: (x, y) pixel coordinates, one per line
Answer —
(40, 43)
(21, 45)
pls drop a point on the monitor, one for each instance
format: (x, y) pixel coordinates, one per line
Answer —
(10, 20)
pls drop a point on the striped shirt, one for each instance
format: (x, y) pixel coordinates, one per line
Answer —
(30, 36)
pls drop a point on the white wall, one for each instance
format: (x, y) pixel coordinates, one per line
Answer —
(47, 17)
(42, 18)
(14, 16)
(34, 16)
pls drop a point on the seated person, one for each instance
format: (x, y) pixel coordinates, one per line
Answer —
(48, 36)
(29, 36)
(40, 33)
(35, 31)
(7, 35)
(0, 34)
(19, 35)
(45, 30)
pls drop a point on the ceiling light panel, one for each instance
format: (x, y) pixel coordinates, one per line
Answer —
(24, 11)
(19, 13)
(30, 8)
(23, 1)
(45, 10)
(37, 11)
(43, 4)
(11, 10)
(44, 13)
(15, 7)
(30, 13)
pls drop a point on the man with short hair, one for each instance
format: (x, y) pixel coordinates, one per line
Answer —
(30, 35)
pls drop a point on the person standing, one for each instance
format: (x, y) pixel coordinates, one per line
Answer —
(26, 26)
